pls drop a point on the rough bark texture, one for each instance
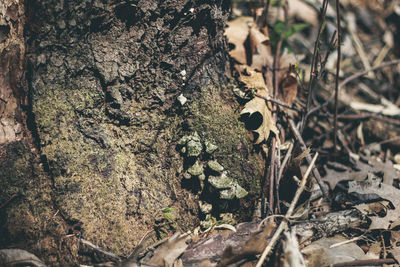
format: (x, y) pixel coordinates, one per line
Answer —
(103, 79)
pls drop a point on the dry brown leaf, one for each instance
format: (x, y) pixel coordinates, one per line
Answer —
(320, 253)
(288, 86)
(395, 242)
(252, 79)
(254, 246)
(237, 32)
(260, 54)
(168, 252)
(301, 10)
(258, 118)
(292, 256)
(385, 169)
(386, 192)
(256, 113)
(19, 257)
(374, 251)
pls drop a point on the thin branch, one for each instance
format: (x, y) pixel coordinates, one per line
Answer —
(284, 223)
(314, 62)
(99, 249)
(337, 73)
(349, 79)
(278, 102)
(370, 262)
(285, 160)
(362, 73)
(303, 146)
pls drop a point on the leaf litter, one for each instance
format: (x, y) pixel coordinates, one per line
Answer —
(358, 221)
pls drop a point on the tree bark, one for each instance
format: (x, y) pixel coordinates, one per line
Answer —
(102, 104)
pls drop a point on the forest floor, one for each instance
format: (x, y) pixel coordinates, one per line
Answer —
(326, 118)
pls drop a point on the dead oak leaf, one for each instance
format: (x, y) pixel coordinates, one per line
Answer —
(168, 252)
(288, 86)
(259, 51)
(372, 186)
(257, 113)
(237, 32)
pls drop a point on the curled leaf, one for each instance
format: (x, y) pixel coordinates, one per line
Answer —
(257, 113)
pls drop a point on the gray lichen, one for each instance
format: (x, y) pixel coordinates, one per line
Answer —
(210, 147)
(221, 182)
(194, 148)
(196, 169)
(215, 166)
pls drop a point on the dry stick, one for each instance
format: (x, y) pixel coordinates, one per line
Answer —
(314, 62)
(285, 160)
(284, 223)
(353, 77)
(99, 249)
(337, 75)
(362, 73)
(364, 115)
(303, 146)
(371, 262)
(278, 102)
(273, 174)
(2, 205)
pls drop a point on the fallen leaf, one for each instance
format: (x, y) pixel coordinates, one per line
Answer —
(384, 169)
(19, 257)
(288, 86)
(237, 32)
(320, 253)
(386, 108)
(168, 252)
(303, 11)
(292, 256)
(395, 242)
(254, 246)
(374, 251)
(387, 192)
(260, 54)
(256, 113)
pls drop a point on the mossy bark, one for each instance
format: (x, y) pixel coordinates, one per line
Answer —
(103, 79)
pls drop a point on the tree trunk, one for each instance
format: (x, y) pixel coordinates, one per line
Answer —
(111, 87)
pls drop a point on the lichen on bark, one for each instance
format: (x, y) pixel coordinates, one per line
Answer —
(103, 80)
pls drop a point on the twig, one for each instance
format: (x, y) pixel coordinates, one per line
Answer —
(272, 174)
(371, 262)
(99, 249)
(2, 205)
(362, 73)
(337, 74)
(314, 62)
(346, 242)
(278, 102)
(285, 161)
(284, 223)
(351, 78)
(351, 27)
(303, 146)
